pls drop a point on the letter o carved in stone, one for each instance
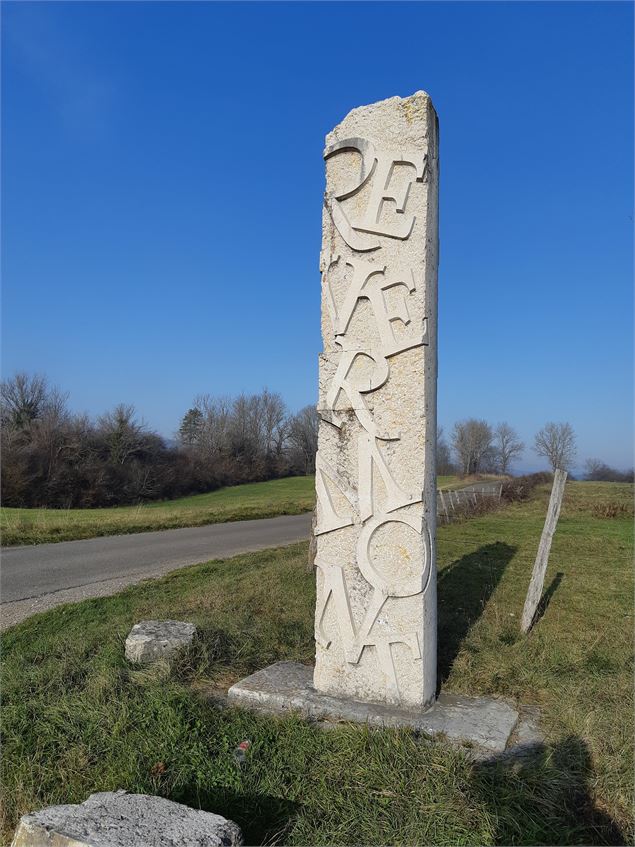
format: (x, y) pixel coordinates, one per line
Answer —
(404, 586)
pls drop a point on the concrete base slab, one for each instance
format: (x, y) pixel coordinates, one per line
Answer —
(288, 687)
(119, 819)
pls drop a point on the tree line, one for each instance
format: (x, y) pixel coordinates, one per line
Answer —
(477, 447)
(55, 458)
(52, 457)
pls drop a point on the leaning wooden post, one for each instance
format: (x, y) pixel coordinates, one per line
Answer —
(540, 565)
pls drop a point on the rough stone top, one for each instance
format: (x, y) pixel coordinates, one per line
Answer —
(397, 116)
(119, 819)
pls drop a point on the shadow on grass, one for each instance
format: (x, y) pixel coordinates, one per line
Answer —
(546, 597)
(464, 588)
(544, 797)
(263, 819)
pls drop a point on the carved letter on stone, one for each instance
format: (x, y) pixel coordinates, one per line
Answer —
(344, 382)
(328, 517)
(370, 282)
(380, 168)
(381, 193)
(369, 458)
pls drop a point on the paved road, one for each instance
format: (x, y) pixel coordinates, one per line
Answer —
(41, 576)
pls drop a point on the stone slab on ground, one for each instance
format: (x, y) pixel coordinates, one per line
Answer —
(151, 640)
(119, 819)
(288, 687)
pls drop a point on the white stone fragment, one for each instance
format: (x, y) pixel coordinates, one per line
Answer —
(376, 501)
(151, 640)
(118, 819)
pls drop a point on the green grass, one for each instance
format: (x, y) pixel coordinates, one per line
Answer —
(289, 496)
(78, 719)
(447, 481)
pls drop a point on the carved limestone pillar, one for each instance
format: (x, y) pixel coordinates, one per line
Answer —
(376, 619)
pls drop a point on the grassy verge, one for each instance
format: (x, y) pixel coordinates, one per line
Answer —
(289, 496)
(78, 719)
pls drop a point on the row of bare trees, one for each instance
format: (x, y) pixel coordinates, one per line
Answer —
(477, 447)
(53, 457)
(595, 470)
(250, 437)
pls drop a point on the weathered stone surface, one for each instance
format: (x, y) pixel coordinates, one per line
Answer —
(150, 640)
(376, 501)
(287, 687)
(118, 819)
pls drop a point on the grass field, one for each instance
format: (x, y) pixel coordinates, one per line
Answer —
(77, 719)
(289, 496)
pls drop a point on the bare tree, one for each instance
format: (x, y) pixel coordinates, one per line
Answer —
(274, 422)
(303, 436)
(213, 439)
(50, 429)
(556, 443)
(444, 457)
(472, 442)
(122, 433)
(507, 447)
(23, 399)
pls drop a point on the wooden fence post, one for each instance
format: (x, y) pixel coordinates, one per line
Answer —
(540, 565)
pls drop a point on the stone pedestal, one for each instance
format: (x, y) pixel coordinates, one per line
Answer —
(375, 625)
(482, 723)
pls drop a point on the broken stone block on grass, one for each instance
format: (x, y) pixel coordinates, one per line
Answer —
(151, 640)
(119, 819)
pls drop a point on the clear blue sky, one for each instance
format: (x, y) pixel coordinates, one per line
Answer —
(163, 179)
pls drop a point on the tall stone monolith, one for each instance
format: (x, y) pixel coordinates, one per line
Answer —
(376, 612)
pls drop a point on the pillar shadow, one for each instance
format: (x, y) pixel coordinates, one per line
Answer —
(544, 797)
(546, 597)
(464, 587)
